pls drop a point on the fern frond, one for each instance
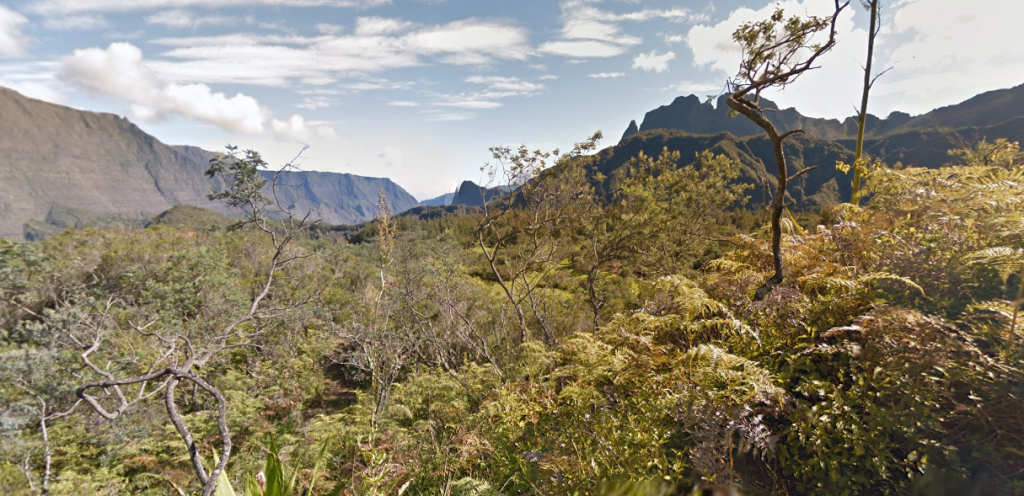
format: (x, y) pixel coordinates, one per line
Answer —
(822, 283)
(1003, 259)
(725, 265)
(885, 276)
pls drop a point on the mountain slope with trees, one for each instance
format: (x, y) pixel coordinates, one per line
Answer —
(693, 115)
(551, 342)
(55, 159)
(689, 126)
(613, 326)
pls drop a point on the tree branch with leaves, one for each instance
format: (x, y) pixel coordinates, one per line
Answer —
(776, 52)
(129, 353)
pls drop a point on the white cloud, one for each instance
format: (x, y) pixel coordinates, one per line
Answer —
(471, 104)
(13, 43)
(178, 18)
(652, 61)
(376, 26)
(316, 80)
(119, 71)
(607, 75)
(46, 7)
(829, 91)
(32, 89)
(470, 41)
(281, 61)
(931, 45)
(326, 132)
(329, 29)
(293, 129)
(507, 84)
(443, 116)
(692, 88)
(377, 84)
(238, 39)
(72, 22)
(591, 32)
(314, 102)
(403, 103)
(296, 129)
(674, 14)
(590, 29)
(34, 80)
(674, 38)
(548, 77)
(955, 50)
(496, 88)
(583, 48)
(587, 32)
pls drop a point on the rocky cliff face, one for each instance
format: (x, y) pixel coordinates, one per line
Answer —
(55, 156)
(690, 114)
(339, 198)
(630, 131)
(474, 195)
(691, 126)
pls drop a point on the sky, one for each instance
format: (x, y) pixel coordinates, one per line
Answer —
(419, 90)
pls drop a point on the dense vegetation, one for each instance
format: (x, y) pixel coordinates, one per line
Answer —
(560, 337)
(626, 330)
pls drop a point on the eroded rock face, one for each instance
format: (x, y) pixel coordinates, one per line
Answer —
(54, 155)
(690, 125)
(474, 195)
(630, 131)
(690, 114)
(339, 198)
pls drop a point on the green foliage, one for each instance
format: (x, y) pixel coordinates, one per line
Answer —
(884, 363)
(1001, 153)
(243, 172)
(652, 222)
(775, 48)
(194, 218)
(627, 402)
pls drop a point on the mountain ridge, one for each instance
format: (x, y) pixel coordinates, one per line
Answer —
(52, 156)
(691, 114)
(690, 125)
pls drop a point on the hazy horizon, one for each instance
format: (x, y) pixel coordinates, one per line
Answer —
(417, 91)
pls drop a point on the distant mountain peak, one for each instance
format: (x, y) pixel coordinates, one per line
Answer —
(630, 131)
(104, 164)
(690, 126)
(690, 114)
(473, 195)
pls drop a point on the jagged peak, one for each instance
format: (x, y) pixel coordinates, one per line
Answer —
(630, 130)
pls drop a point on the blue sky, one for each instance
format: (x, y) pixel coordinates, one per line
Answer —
(417, 90)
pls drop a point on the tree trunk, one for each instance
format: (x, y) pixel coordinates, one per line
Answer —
(47, 454)
(595, 300)
(862, 123)
(755, 114)
(778, 206)
(1016, 310)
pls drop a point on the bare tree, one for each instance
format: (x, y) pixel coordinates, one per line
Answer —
(776, 52)
(875, 9)
(378, 342)
(46, 415)
(32, 394)
(118, 375)
(519, 233)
